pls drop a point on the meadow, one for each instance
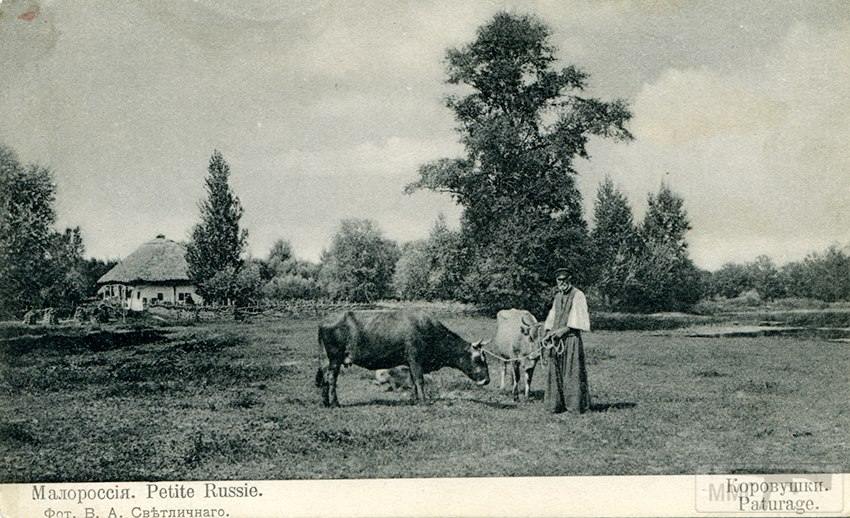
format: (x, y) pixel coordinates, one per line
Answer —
(236, 400)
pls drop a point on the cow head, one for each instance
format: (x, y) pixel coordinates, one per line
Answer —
(477, 371)
(531, 329)
(533, 332)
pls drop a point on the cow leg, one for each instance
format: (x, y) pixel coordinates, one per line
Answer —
(504, 375)
(529, 373)
(417, 379)
(331, 375)
(515, 388)
(323, 383)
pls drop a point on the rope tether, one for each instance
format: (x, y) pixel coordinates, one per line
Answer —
(558, 344)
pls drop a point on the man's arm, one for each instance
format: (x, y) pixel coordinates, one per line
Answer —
(579, 318)
(550, 320)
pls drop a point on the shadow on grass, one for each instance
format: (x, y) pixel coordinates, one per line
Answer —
(379, 402)
(536, 395)
(604, 407)
(444, 400)
(490, 404)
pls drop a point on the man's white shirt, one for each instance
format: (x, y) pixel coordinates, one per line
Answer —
(579, 317)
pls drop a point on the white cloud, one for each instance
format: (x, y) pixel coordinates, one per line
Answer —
(760, 154)
(698, 105)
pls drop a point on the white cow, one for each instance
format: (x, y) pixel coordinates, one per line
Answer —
(517, 338)
(397, 378)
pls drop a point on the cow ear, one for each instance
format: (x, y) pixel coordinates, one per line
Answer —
(477, 345)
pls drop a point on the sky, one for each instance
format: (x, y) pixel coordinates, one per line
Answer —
(324, 111)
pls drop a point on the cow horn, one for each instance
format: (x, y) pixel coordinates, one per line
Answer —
(526, 323)
(477, 344)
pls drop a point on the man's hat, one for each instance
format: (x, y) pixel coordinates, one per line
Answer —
(562, 272)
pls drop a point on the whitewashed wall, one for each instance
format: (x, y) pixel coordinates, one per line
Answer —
(143, 295)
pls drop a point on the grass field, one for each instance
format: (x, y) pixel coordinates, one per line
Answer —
(236, 401)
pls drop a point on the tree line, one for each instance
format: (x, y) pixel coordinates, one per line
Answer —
(631, 266)
(523, 121)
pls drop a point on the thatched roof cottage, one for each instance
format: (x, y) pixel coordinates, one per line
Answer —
(155, 273)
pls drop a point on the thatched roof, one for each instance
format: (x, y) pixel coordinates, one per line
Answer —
(159, 260)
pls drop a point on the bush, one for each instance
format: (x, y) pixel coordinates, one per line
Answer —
(720, 304)
(749, 298)
(286, 287)
(241, 286)
(798, 303)
(360, 263)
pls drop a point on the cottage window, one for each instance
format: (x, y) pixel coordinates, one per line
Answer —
(138, 295)
(159, 296)
(181, 296)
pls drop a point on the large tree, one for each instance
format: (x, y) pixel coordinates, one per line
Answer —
(731, 280)
(412, 271)
(523, 124)
(666, 220)
(27, 215)
(827, 274)
(433, 268)
(614, 238)
(39, 267)
(665, 277)
(217, 242)
(447, 261)
(66, 281)
(360, 262)
(93, 269)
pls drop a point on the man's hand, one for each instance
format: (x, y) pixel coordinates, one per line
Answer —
(557, 334)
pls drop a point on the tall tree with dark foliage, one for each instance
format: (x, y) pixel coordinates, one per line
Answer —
(664, 276)
(27, 196)
(217, 242)
(615, 241)
(39, 267)
(523, 124)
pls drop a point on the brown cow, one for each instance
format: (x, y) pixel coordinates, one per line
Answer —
(385, 339)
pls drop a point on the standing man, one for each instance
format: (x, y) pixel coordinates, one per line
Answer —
(566, 388)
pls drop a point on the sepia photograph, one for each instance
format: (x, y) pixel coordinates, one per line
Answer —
(509, 244)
